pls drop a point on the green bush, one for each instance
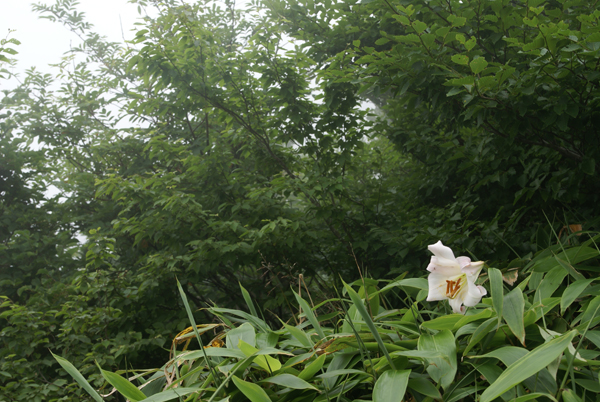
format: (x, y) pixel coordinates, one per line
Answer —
(534, 337)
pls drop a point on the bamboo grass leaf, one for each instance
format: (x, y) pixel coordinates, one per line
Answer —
(125, 388)
(360, 307)
(527, 366)
(69, 368)
(248, 300)
(391, 386)
(289, 381)
(514, 306)
(497, 290)
(310, 316)
(252, 391)
(572, 292)
(441, 369)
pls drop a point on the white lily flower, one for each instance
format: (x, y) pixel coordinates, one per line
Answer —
(453, 278)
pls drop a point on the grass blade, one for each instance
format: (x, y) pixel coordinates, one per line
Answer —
(310, 316)
(360, 307)
(497, 291)
(248, 300)
(125, 388)
(69, 368)
(527, 366)
(195, 327)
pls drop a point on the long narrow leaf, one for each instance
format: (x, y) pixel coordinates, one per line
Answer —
(171, 394)
(69, 368)
(497, 291)
(310, 316)
(248, 301)
(360, 307)
(252, 391)
(195, 327)
(125, 388)
(514, 306)
(527, 366)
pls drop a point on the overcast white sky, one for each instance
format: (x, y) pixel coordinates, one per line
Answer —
(43, 42)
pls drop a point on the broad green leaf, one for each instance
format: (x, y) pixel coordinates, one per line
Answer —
(428, 39)
(268, 363)
(478, 65)
(552, 280)
(480, 333)
(542, 381)
(514, 304)
(252, 391)
(298, 334)
(245, 332)
(419, 26)
(424, 387)
(125, 388)
(418, 283)
(527, 366)
(459, 21)
(443, 322)
(570, 396)
(460, 59)
(441, 370)
(470, 44)
(288, 380)
(391, 386)
(339, 362)
(171, 394)
(460, 394)
(310, 316)
(491, 371)
(463, 81)
(570, 269)
(73, 372)
(313, 368)
(266, 340)
(590, 385)
(591, 310)
(422, 354)
(534, 395)
(571, 256)
(337, 373)
(216, 352)
(497, 289)
(588, 165)
(466, 319)
(257, 322)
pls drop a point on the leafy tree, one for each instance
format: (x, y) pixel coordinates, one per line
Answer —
(494, 101)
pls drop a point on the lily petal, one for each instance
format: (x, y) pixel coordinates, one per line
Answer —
(463, 261)
(437, 287)
(439, 250)
(444, 266)
(473, 295)
(456, 305)
(473, 268)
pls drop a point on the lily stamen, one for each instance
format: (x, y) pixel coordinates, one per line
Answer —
(452, 288)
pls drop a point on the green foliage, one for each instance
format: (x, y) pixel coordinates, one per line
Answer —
(227, 146)
(492, 99)
(420, 352)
